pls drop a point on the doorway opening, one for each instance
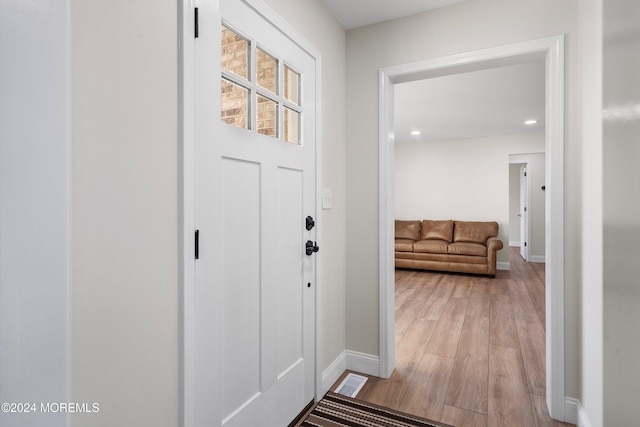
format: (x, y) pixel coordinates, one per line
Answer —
(551, 51)
(526, 206)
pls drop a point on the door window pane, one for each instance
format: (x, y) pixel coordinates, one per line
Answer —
(267, 116)
(235, 53)
(256, 88)
(235, 104)
(267, 69)
(291, 126)
(291, 85)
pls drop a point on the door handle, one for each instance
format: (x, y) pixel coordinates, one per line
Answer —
(311, 247)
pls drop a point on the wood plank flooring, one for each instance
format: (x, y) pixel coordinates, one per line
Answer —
(470, 350)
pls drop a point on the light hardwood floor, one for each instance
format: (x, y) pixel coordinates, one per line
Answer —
(470, 350)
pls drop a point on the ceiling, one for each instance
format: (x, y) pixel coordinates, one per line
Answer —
(471, 105)
(357, 13)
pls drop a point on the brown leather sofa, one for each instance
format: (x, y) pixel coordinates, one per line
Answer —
(457, 246)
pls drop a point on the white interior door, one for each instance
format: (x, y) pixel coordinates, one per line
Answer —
(524, 213)
(255, 186)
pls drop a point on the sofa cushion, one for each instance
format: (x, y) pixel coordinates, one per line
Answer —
(431, 246)
(454, 259)
(404, 245)
(467, 248)
(474, 232)
(408, 230)
(437, 230)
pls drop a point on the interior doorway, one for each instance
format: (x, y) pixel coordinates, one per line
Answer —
(551, 50)
(524, 214)
(519, 229)
(527, 205)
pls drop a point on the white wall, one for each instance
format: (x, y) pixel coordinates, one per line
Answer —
(536, 209)
(621, 215)
(312, 21)
(125, 212)
(455, 29)
(463, 180)
(34, 208)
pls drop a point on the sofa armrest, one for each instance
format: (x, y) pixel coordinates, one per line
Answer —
(493, 245)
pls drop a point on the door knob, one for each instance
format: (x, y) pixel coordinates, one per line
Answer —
(311, 247)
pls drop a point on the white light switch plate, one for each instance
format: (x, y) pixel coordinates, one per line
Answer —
(326, 198)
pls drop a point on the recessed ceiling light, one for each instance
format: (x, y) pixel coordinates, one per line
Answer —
(530, 122)
(415, 132)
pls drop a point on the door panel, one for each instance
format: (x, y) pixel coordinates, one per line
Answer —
(254, 190)
(241, 214)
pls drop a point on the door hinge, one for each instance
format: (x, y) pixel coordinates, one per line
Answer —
(197, 244)
(525, 244)
(195, 22)
(525, 174)
(525, 208)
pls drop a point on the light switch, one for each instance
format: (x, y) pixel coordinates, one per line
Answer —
(326, 198)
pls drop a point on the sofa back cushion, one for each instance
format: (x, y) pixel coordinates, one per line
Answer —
(437, 230)
(474, 232)
(408, 230)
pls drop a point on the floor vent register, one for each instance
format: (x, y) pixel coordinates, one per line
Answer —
(351, 385)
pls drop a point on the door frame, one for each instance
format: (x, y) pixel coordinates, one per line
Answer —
(194, 410)
(551, 49)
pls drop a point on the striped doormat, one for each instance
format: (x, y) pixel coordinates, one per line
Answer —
(338, 410)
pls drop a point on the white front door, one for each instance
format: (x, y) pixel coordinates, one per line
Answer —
(524, 214)
(255, 187)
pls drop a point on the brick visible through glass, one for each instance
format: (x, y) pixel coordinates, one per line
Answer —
(267, 116)
(267, 70)
(235, 53)
(235, 104)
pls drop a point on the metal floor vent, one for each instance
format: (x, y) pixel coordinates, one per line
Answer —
(351, 385)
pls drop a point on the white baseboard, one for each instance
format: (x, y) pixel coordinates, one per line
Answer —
(583, 418)
(516, 244)
(571, 408)
(352, 361)
(537, 258)
(363, 363)
(574, 413)
(503, 265)
(333, 372)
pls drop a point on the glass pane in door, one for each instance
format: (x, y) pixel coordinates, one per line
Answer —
(291, 126)
(291, 85)
(267, 116)
(235, 53)
(267, 69)
(235, 104)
